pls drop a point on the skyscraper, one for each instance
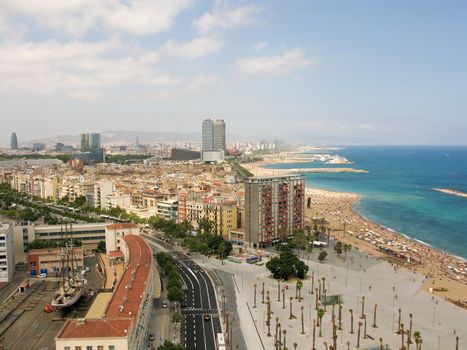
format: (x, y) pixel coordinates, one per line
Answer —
(219, 135)
(274, 208)
(14, 141)
(208, 135)
(84, 142)
(94, 142)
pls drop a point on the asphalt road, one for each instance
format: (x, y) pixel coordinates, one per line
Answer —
(200, 299)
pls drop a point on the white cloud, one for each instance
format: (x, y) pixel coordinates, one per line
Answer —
(287, 62)
(201, 81)
(75, 17)
(259, 46)
(224, 16)
(78, 69)
(198, 47)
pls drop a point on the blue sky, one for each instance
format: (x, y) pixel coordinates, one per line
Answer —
(388, 72)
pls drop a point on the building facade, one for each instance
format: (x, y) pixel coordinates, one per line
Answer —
(274, 208)
(14, 141)
(222, 213)
(114, 235)
(219, 135)
(7, 256)
(208, 135)
(50, 261)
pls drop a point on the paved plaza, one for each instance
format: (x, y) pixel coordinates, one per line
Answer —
(438, 321)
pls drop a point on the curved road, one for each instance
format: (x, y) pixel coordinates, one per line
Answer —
(200, 299)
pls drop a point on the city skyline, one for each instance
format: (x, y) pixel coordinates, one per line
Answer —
(348, 74)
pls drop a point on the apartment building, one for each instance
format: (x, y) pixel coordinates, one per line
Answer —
(7, 257)
(274, 208)
(167, 209)
(223, 213)
(102, 189)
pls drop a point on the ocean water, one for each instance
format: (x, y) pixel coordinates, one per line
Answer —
(398, 190)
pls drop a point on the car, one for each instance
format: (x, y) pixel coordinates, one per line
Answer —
(183, 304)
(184, 287)
(151, 337)
(164, 304)
(207, 317)
(42, 275)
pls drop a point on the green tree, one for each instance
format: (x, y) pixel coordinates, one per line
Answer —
(167, 345)
(101, 247)
(322, 256)
(205, 225)
(338, 247)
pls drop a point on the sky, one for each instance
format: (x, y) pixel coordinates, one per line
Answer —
(357, 72)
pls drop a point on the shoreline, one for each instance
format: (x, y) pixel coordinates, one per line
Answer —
(445, 274)
(451, 192)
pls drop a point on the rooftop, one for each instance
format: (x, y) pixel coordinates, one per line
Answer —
(51, 251)
(125, 302)
(120, 226)
(131, 285)
(95, 328)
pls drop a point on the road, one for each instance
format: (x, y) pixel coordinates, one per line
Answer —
(200, 299)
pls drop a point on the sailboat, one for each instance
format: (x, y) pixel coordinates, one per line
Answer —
(71, 283)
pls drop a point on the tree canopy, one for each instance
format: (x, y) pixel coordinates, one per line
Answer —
(287, 264)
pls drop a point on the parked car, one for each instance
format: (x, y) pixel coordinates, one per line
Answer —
(164, 304)
(42, 275)
(207, 317)
(151, 337)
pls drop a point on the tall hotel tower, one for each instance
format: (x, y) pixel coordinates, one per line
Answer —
(208, 135)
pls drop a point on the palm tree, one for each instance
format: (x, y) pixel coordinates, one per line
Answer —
(380, 343)
(351, 321)
(298, 290)
(320, 317)
(358, 334)
(457, 342)
(346, 248)
(314, 334)
(290, 316)
(303, 324)
(295, 346)
(418, 339)
(363, 308)
(374, 317)
(348, 345)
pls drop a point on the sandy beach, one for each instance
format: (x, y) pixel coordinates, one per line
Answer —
(445, 275)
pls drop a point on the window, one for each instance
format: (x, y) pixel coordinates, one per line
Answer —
(77, 347)
(111, 347)
(100, 347)
(66, 348)
(88, 347)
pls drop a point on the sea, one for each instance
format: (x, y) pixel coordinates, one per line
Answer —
(397, 192)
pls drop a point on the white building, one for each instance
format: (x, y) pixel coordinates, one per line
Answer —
(118, 200)
(114, 235)
(102, 189)
(215, 156)
(88, 234)
(167, 209)
(7, 257)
